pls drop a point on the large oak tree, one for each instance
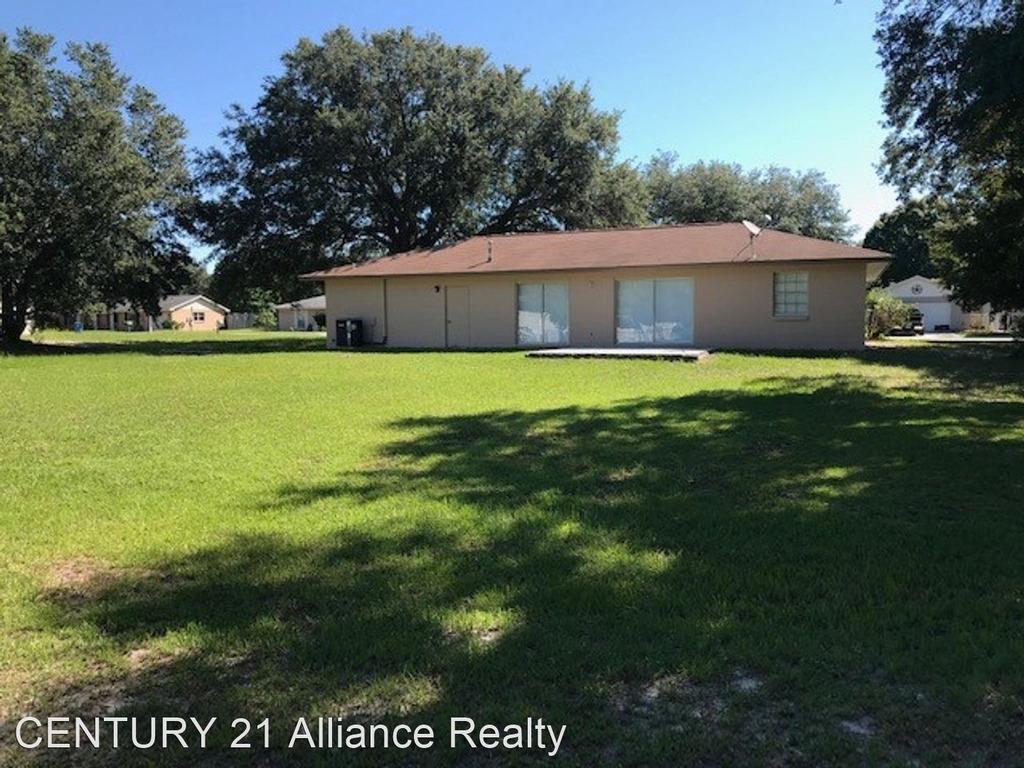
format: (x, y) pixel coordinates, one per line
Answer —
(804, 203)
(393, 142)
(92, 177)
(956, 131)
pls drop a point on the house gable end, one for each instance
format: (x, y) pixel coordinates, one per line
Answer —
(917, 288)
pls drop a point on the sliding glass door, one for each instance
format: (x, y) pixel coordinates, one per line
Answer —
(543, 314)
(654, 311)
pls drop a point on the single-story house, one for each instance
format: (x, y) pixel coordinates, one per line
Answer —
(193, 312)
(190, 312)
(723, 285)
(938, 310)
(301, 315)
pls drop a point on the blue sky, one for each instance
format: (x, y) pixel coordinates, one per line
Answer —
(793, 83)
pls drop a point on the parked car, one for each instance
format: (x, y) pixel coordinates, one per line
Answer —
(913, 326)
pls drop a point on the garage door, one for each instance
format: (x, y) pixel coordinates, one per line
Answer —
(933, 315)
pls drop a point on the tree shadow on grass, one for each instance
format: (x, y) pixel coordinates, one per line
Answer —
(967, 368)
(223, 345)
(798, 574)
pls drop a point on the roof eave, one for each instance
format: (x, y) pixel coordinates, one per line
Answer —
(355, 273)
(875, 269)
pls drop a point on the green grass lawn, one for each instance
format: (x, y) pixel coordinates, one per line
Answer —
(759, 559)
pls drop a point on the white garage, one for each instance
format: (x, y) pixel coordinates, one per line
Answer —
(935, 303)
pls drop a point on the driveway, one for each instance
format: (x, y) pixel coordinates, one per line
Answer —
(956, 338)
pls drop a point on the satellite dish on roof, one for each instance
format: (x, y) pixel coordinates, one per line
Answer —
(752, 228)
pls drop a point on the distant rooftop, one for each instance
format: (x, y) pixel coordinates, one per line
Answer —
(171, 303)
(312, 303)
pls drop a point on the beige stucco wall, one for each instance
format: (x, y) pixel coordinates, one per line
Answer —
(289, 319)
(285, 319)
(732, 306)
(361, 297)
(183, 315)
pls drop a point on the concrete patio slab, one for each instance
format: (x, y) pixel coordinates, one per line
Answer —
(630, 353)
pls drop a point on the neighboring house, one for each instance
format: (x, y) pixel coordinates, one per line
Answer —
(191, 312)
(301, 315)
(938, 310)
(121, 317)
(704, 285)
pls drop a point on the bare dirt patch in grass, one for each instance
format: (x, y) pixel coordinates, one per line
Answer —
(102, 687)
(11, 680)
(675, 702)
(75, 581)
(737, 713)
(74, 573)
(102, 694)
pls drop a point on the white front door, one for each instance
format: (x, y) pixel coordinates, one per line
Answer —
(456, 315)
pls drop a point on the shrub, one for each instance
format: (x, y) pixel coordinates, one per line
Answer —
(265, 317)
(885, 312)
(259, 303)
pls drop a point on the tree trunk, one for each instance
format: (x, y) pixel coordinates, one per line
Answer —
(12, 316)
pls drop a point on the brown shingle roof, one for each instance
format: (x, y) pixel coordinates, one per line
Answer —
(689, 244)
(175, 301)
